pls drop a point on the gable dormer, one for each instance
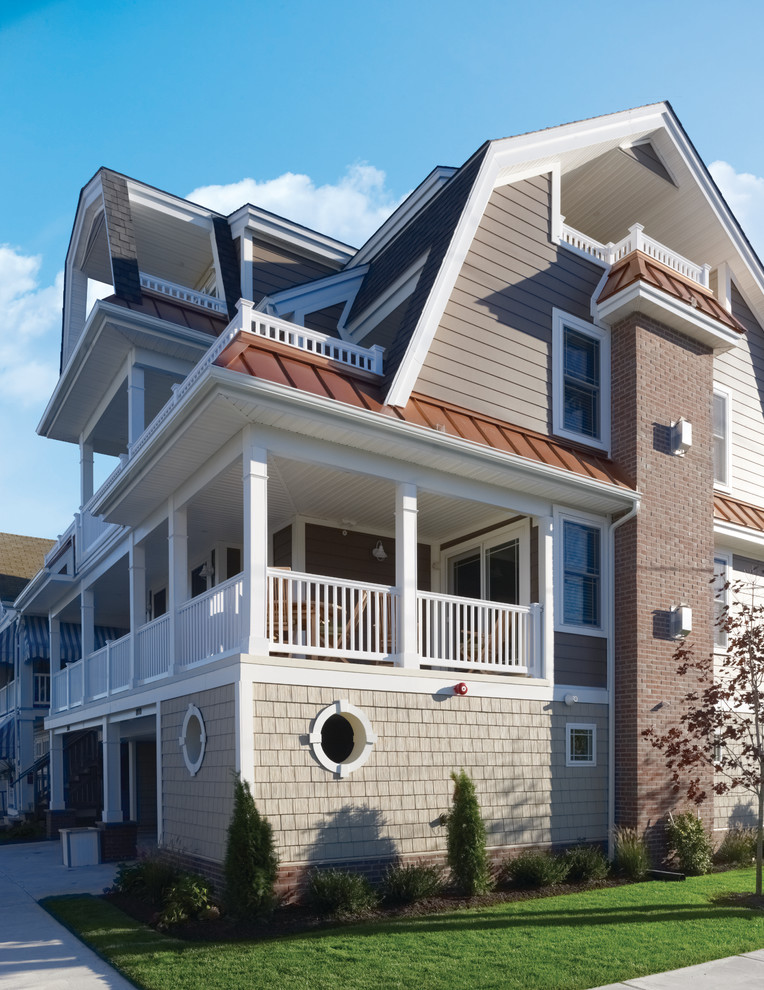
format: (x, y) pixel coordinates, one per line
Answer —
(140, 240)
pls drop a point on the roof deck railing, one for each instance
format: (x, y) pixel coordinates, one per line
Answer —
(635, 240)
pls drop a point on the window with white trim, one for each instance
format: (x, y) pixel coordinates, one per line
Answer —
(581, 744)
(581, 380)
(581, 575)
(722, 571)
(721, 437)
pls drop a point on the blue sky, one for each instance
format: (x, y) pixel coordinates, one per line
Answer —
(329, 112)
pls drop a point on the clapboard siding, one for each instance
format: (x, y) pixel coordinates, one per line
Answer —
(580, 661)
(275, 268)
(491, 352)
(346, 554)
(741, 370)
(282, 547)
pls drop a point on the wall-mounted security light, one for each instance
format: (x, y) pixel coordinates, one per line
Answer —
(570, 699)
(681, 437)
(379, 553)
(681, 621)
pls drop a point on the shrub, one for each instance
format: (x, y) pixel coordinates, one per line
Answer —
(688, 838)
(340, 893)
(189, 896)
(586, 863)
(147, 880)
(251, 863)
(466, 839)
(738, 847)
(534, 869)
(407, 884)
(632, 859)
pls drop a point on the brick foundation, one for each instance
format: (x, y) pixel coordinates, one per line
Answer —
(118, 840)
(663, 557)
(58, 819)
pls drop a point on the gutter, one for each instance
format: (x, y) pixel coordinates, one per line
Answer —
(611, 682)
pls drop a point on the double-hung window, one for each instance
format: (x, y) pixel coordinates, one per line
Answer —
(721, 436)
(581, 378)
(579, 575)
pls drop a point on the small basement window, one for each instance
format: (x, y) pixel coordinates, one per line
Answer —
(341, 738)
(582, 745)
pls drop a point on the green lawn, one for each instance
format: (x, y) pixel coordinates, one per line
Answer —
(567, 943)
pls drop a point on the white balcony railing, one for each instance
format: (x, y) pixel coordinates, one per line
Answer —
(310, 616)
(636, 240)
(183, 294)
(317, 616)
(469, 634)
(315, 342)
(212, 623)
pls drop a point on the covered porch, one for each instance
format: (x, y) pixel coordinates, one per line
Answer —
(275, 556)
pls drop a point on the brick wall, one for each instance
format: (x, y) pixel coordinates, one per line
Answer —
(664, 556)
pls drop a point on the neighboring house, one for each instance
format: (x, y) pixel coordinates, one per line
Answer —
(444, 501)
(24, 681)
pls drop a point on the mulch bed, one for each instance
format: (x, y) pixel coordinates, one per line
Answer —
(296, 919)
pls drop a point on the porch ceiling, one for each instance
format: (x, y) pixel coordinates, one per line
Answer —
(333, 497)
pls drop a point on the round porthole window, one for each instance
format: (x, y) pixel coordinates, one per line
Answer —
(341, 738)
(193, 740)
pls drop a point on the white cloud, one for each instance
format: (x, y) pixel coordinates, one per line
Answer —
(351, 210)
(30, 321)
(745, 194)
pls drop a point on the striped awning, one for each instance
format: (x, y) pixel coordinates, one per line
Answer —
(35, 639)
(6, 737)
(8, 643)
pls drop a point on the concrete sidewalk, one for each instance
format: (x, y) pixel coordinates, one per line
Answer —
(744, 972)
(36, 953)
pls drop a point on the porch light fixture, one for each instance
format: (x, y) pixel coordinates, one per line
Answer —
(379, 552)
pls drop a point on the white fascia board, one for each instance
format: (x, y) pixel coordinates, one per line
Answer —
(104, 313)
(399, 290)
(279, 230)
(722, 212)
(642, 297)
(411, 205)
(265, 394)
(312, 296)
(734, 537)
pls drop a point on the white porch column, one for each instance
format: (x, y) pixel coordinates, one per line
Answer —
(544, 666)
(112, 779)
(87, 621)
(24, 760)
(406, 572)
(255, 479)
(56, 772)
(54, 638)
(178, 573)
(133, 771)
(136, 403)
(137, 567)
(86, 472)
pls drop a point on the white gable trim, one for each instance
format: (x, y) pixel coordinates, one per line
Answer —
(301, 300)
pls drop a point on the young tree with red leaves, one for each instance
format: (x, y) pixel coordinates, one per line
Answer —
(722, 727)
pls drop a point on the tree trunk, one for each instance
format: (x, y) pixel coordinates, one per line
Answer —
(760, 830)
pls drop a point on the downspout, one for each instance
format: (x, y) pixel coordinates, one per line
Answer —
(611, 680)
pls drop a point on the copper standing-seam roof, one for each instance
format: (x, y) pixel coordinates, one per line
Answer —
(639, 266)
(319, 376)
(732, 510)
(184, 314)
